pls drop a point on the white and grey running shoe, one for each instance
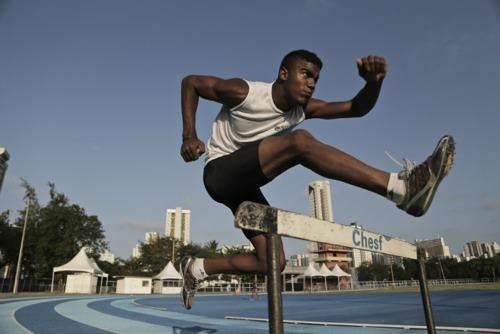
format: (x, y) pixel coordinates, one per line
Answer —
(189, 283)
(422, 180)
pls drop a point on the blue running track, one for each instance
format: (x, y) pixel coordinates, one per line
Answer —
(164, 314)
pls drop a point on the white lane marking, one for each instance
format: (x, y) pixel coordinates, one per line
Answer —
(8, 322)
(79, 311)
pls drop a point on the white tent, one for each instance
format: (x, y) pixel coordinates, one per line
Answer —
(311, 272)
(325, 272)
(81, 263)
(168, 280)
(168, 272)
(339, 273)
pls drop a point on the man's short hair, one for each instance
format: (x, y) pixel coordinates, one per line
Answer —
(308, 56)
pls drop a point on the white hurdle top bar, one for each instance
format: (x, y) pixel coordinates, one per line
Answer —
(259, 217)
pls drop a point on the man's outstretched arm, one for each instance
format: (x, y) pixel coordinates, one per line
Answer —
(373, 69)
(228, 92)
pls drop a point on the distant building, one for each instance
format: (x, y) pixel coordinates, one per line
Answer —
(475, 249)
(496, 247)
(151, 237)
(360, 256)
(320, 200)
(490, 249)
(299, 260)
(107, 256)
(4, 157)
(387, 259)
(472, 249)
(320, 203)
(435, 247)
(136, 251)
(177, 224)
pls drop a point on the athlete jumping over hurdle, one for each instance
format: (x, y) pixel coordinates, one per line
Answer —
(253, 141)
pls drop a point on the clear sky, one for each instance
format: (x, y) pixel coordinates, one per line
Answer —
(90, 100)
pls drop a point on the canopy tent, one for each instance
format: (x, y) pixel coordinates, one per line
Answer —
(325, 272)
(310, 272)
(168, 280)
(337, 271)
(168, 272)
(80, 263)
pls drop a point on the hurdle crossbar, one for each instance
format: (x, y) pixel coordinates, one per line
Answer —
(258, 217)
(276, 222)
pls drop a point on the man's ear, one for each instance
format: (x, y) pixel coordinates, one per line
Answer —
(283, 74)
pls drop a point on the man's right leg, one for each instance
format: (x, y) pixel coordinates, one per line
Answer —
(416, 186)
(249, 263)
(279, 153)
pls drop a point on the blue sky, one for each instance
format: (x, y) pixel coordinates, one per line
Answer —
(89, 100)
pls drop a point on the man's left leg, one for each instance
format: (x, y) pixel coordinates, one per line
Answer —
(231, 180)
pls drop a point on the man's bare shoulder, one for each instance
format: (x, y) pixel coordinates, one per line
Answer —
(232, 91)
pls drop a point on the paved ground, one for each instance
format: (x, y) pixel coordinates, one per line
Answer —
(163, 314)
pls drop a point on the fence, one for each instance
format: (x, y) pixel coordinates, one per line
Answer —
(30, 284)
(43, 285)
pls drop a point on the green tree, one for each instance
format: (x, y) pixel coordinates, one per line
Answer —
(56, 232)
(116, 268)
(156, 254)
(374, 272)
(133, 267)
(9, 240)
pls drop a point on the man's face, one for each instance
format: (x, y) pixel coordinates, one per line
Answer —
(300, 81)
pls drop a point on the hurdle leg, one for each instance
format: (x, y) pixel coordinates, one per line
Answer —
(274, 303)
(424, 291)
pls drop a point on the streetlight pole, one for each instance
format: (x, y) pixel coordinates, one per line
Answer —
(19, 260)
(442, 272)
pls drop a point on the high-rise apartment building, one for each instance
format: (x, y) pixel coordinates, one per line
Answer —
(177, 224)
(435, 247)
(472, 249)
(136, 251)
(320, 200)
(151, 237)
(4, 157)
(475, 249)
(491, 248)
(299, 260)
(107, 256)
(320, 203)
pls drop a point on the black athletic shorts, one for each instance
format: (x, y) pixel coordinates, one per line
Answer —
(235, 178)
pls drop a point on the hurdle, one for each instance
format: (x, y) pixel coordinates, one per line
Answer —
(276, 222)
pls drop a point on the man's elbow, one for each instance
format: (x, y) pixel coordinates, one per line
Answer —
(360, 112)
(188, 80)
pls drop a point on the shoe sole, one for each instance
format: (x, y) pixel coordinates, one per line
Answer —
(185, 301)
(447, 143)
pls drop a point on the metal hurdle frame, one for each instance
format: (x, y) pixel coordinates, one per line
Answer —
(276, 222)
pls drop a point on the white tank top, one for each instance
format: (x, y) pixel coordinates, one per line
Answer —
(255, 118)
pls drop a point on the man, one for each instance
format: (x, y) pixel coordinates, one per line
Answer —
(252, 142)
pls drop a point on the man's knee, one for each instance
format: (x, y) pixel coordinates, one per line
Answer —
(300, 140)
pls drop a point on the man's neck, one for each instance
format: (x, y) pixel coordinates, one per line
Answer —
(278, 95)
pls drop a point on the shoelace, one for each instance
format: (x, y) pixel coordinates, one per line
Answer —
(408, 165)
